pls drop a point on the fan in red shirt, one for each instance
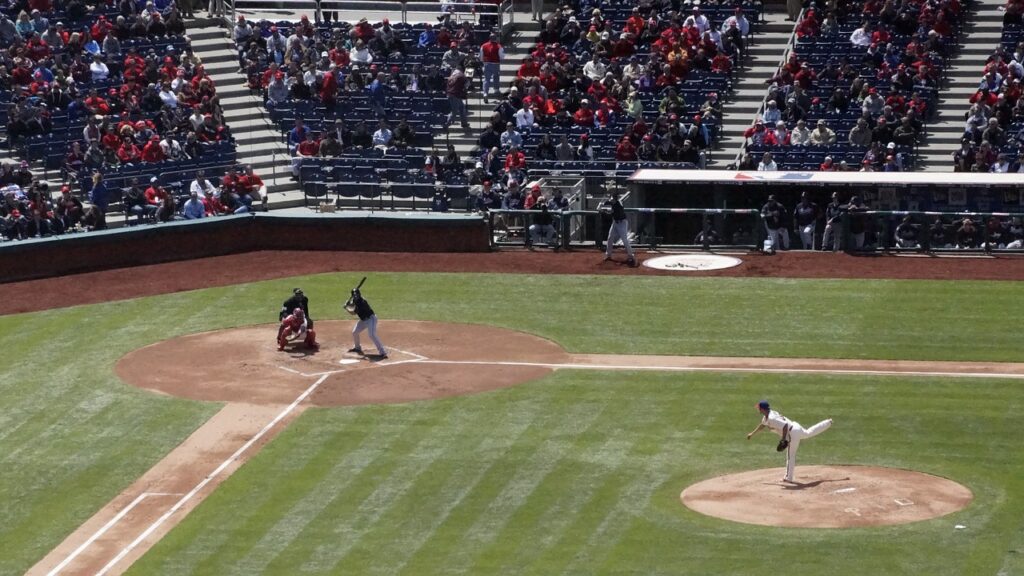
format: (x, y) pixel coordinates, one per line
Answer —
(584, 116)
(515, 160)
(625, 151)
(212, 205)
(295, 328)
(155, 194)
(529, 68)
(329, 87)
(128, 152)
(339, 56)
(721, 63)
(152, 152)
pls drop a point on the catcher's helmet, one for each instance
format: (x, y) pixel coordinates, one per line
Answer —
(298, 312)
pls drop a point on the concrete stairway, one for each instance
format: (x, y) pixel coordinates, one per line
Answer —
(259, 142)
(766, 52)
(981, 36)
(517, 46)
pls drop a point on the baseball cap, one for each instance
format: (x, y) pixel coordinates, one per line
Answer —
(763, 405)
(891, 145)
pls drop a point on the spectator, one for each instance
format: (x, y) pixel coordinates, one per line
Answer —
(457, 94)
(823, 135)
(800, 136)
(382, 137)
(861, 134)
(491, 54)
(564, 151)
(99, 196)
(767, 164)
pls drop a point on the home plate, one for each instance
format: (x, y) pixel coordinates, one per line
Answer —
(348, 361)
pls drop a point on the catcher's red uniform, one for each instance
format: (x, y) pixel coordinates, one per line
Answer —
(295, 323)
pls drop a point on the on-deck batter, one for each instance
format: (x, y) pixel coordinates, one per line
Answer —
(787, 430)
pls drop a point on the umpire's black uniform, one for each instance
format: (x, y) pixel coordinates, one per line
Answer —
(297, 300)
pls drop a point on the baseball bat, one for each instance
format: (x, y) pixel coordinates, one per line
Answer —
(361, 283)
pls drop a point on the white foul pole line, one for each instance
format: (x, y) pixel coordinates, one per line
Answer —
(202, 484)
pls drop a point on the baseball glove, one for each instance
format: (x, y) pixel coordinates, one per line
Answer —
(784, 441)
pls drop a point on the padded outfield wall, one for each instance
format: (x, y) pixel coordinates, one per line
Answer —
(184, 240)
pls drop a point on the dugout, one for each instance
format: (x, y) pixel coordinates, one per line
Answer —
(947, 192)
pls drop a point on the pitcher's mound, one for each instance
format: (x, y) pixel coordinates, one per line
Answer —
(827, 497)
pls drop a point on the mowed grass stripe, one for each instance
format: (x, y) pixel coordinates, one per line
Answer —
(358, 448)
(513, 432)
(265, 503)
(553, 444)
(344, 537)
(457, 475)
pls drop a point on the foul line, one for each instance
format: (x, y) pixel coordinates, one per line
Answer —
(557, 366)
(99, 533)
(202, 484)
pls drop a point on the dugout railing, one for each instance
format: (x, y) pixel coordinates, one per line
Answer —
(651, 228)
(1001, 232)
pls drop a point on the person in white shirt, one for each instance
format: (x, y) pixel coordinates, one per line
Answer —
(861, 36)
(790, 432)
(196, 119)
(382, 137)
(525, 118)
(168, 97)
(360, 54)
(171, 148)
(595, 69)
(767, 164)
(1001, 165)
(800, 136)
(201, 186)
(741, 22)
(99, 70)
(700, 21)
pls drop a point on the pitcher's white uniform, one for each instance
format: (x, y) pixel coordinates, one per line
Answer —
(777, 423)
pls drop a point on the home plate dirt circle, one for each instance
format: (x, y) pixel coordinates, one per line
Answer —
(827, 497)
(426, 360)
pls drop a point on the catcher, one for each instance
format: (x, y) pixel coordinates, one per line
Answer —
(295, 328)
(357, 305)
(790, 433)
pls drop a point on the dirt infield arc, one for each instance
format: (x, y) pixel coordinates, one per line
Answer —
(427, 360)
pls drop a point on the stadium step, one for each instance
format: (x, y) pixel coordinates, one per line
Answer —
(258, 142)
(741, 107)
(982, 33)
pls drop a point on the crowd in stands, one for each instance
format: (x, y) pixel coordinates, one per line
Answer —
(108, 93)
(857, 88)
(993, 135)
(30, 209)
(641, 84)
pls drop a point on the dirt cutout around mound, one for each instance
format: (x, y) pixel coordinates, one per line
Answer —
(827, 497)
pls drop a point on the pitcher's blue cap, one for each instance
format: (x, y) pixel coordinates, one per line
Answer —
(763, 405)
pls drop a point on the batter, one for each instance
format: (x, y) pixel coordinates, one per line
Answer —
(367, 321)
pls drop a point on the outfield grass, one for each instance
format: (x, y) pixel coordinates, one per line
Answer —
(580, 474)
(72, 436)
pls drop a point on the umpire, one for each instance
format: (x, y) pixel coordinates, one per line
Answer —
(297, 300)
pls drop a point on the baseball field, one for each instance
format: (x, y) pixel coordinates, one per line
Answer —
(575, 470)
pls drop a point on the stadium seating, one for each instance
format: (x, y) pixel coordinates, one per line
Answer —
(892, 68)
